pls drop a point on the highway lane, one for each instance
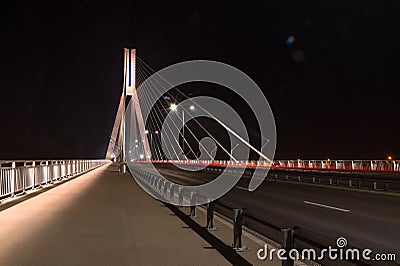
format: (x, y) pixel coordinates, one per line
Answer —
(367, 220)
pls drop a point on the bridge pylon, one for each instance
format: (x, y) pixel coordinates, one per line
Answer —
(128, 140)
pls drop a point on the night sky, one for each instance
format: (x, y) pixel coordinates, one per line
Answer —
(334, 91)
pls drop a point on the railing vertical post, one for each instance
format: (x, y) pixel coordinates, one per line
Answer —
(13, 179)
(24, 175)
(34, 175)
(237, 230)
(210, 215)
(287, 244)
(1, 181)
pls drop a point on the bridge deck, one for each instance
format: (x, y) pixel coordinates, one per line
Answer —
(100, 218)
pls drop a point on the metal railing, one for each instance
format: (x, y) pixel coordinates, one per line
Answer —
(19, 176)
(331, 165)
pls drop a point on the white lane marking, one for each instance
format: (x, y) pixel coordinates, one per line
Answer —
(325, 206)
(242, 188)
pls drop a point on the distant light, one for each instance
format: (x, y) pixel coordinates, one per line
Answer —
(329, 160)
(136, 140)
(136, 146)
(173, 107)
(146, 131)
(191, 107)
(166, 97)
(141, 156)
(290, 40)
(298, 56)
(156, 132)
(389, 157)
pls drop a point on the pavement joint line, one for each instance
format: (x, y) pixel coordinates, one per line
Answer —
(325, 206)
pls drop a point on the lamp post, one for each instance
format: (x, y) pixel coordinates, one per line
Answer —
(174, 107)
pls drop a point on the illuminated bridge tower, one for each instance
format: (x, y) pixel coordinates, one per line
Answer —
(128, 138)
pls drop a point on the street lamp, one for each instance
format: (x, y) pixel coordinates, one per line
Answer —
(173, 107)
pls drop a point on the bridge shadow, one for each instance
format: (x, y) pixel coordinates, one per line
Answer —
(227, 251)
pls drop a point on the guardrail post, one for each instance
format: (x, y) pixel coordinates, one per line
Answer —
(166, 185)
(180, 196)
(171, 191)
(287, 244)
(122, 167)
(210, 215)
(237, 230)
(193, 204)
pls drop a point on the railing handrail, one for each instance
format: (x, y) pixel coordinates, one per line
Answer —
(20, 175)
(332, 165)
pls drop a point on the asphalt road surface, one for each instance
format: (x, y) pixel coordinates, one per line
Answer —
(365, 219)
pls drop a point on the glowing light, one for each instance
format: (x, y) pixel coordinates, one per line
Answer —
(146, 131)
(156, 132)
(389, 157)
(298, 56)
(191, 107)
(141, 156)
(173, 107)
(290, 40)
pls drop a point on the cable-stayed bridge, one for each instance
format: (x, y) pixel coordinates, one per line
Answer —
(176, 157)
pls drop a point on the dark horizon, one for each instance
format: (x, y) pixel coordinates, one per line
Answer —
(333, 91)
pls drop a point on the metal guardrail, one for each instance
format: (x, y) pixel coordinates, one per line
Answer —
(351, 174)
(19, 176)
(329, 165)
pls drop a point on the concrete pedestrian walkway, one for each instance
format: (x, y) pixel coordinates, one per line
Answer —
(100, 218)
